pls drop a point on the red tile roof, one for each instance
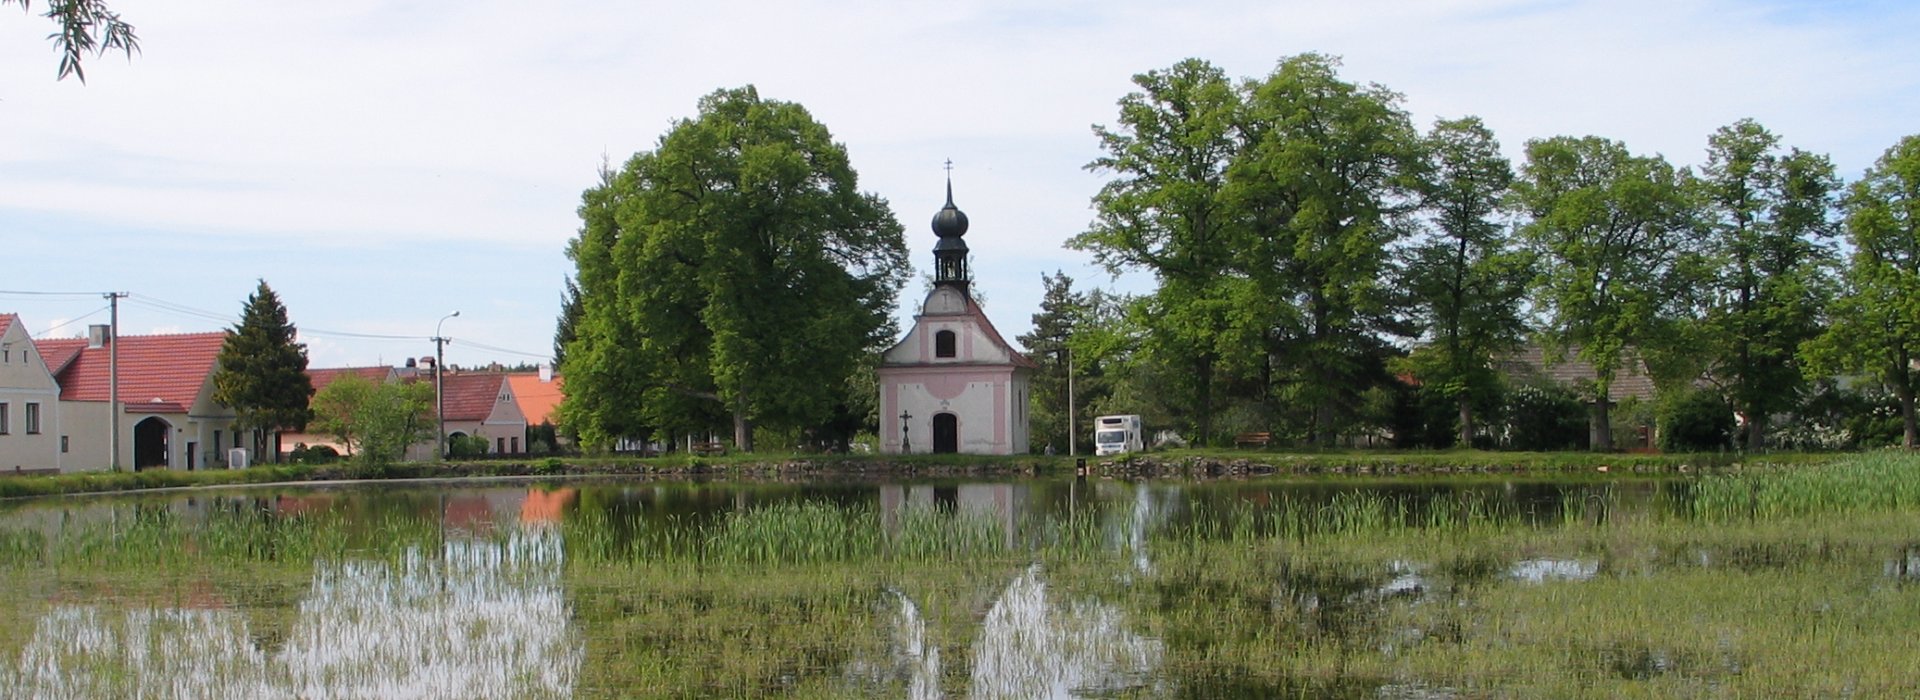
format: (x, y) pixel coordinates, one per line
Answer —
(7, 321)
(158, 373)
(471, 395)
(322, 377)
(537, 399)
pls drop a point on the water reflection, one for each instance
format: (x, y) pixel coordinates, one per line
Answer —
(483, 619)
(1032, 645)
(1544, 570)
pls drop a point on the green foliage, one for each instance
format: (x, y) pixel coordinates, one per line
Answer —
(735, 270)
(1764, 276)
(1608, 228)
(567, 327)
(84, 26)
(1465, 281)
(1874, 326)
(1699, 420)
(467, 446)
(1545, 417)
(376, 421)
(313, 454)
(262, 372)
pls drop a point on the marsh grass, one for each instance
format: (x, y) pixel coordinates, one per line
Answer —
(1796, 582)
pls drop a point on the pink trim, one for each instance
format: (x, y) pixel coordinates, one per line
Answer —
(1000, 420)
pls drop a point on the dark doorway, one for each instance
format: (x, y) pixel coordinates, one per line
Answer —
(150, 443)
(946, 433)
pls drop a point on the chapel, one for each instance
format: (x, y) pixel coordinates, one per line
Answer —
(953, 385)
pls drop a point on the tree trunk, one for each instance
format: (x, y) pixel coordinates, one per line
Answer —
(1466, 422)
(742, 428)
(1756, 430)
(1907, 418)
(1602, 425)
(1204, 376)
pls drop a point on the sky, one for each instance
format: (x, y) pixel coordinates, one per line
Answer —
(383, 164)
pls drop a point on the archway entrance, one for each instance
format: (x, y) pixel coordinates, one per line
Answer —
(150, 444)
(946, 433)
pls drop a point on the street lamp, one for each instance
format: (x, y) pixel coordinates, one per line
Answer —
(439, 391)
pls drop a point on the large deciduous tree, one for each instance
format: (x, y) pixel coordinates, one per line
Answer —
(1465, 280)
(1166, 211)
(1766, 214)
(1323, 185)
(735, 268)
(1875, 324)
(1607, 227)
(83, 27)
(263, 373)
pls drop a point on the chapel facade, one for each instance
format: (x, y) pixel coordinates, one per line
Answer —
(953, 385)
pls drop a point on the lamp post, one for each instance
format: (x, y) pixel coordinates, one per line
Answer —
(439, 391)
(905, 447)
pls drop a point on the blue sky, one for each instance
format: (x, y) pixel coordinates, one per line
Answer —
(382, 163)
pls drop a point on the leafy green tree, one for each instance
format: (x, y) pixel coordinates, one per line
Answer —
(1166, 211)
(84, 26)
(1875, 324)
(567, 328)
(1607, 228)
(735, 268)
(376, 421)
(1765, 214)
(262, 372)
(1325, 182)
(1465, 279)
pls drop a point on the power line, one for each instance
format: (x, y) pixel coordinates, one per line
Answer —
(72, 321)
(12, 292)
(484, 346)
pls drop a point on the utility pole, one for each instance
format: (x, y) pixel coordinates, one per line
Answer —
(439, 392)
(1073, 441)
(113, 373)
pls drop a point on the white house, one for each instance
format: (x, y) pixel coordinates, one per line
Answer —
(953, 385)
(29, 403)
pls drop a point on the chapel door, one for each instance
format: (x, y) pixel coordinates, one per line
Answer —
(946, 433)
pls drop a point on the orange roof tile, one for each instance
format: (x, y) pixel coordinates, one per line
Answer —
(538, 400)
(158, 373)
(7, 321)
(470, 395)
(322, 377)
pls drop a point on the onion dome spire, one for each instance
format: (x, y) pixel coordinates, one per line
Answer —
(950, 254)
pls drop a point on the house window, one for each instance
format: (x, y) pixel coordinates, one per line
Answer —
(33, 419)
(63, 444)
(943, 344)
(515, 444)
(500, 445)
(4, 422)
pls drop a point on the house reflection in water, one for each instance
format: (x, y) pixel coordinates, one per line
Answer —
(1005, 504)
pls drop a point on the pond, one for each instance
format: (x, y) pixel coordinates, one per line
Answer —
(1030, 588)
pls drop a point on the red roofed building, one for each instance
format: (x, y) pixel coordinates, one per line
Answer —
(479, 404)
(166, 416)
(482, 404)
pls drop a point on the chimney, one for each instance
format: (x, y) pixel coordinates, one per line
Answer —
(546, 373)
(98, 335)
(426, 363)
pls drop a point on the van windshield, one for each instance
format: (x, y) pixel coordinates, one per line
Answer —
(1110, 437)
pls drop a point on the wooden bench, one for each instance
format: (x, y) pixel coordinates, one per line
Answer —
(1253, 439)
(708, 448)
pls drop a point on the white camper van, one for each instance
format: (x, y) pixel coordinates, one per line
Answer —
(1114, 435)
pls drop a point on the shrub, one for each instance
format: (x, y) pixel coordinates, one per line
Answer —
(466, 447)
(1545, 417)
(313, 454)
(1696, 421)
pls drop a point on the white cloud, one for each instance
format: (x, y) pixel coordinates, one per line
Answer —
(363, 142)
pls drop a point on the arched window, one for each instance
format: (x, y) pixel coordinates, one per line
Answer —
(943, 344)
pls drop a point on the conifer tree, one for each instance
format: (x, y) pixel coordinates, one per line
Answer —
(262, 373)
